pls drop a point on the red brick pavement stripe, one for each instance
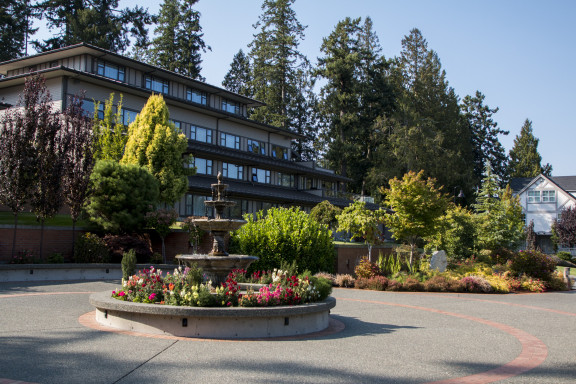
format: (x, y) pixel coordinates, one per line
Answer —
(8, 381)
(534, 351)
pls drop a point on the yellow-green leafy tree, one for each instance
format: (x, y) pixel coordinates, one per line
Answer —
(417, 207)
(110, 132)
(157, 145)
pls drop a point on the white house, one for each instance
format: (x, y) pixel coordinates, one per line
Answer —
(543, 198)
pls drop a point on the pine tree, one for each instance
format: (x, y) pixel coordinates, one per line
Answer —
(484, 133)
(179, 39)
(524, 157)
(429, 134)
(239, 77)
(16, 21)
(155, 144)
(97, 22)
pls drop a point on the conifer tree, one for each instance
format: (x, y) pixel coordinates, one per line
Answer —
(239, 77)
(110, 132)
(429, 134)
(484, 133)
(156, 144)
(179, 40)
(16, 21)
(524, 157)
(97, 22)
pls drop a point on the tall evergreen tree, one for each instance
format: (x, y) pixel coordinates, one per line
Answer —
(239, 76)
(110, 132)
(524, 157)
(179, 40)
(355, 99)
(484, 134)
(16, 27)
(97, 22)
(430, 134)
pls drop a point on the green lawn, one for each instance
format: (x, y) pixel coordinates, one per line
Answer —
(26, 218)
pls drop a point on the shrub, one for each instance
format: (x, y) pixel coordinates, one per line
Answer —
(322, 285)
(377, 283)
(91, 249)
(532, 263)
(476, 284)
(440, 283)
(128, 264)
(499, 284)
(120, 244)
(564, 255)
(394, 285)
(557, 283)
(344, 280)
(501, 255)
(361, 283)
(327, 276)
(55, 258)
(285, 234)
(412, 284)
(533, 284)
(366, 269)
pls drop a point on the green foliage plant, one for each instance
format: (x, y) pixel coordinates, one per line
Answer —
(532, 263)
(55, 258)
(195, 234)
(417, 207)
(90, 248)
(121, 196)
(456, 234)
(285, 235)
(110, 132)
(162, 220)
(564, 255)
(326, 213)
(157, 145)
(128, 264)
(360, 221)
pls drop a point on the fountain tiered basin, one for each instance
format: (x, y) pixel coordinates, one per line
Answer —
(203, 322)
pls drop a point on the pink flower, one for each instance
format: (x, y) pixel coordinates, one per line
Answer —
(121, 293)
(152, 296)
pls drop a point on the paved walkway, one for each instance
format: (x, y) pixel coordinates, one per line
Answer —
(387, 338)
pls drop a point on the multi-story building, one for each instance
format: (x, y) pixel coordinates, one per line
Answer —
(254, 158)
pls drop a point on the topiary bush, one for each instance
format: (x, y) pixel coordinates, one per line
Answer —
(128, 264)
(532, 263)
(90, 248)
(285, 235)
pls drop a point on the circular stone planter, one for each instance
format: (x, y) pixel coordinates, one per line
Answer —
(215, 323)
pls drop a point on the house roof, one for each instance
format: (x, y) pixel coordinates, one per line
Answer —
(567, 183)
(517, 184)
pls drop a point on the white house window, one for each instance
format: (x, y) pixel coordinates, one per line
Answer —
(260, 175)
(257, 147)
(156, 84)
(201, 134)
(196, 96)
(548, 196)
(230, 106)
(229, 141)
(110, 71)
(533, 196)
(88, 107)
(232, 171)
(203, 166)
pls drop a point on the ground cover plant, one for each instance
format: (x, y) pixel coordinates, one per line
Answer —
(188, 287)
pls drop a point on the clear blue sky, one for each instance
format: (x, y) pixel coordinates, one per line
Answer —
(518, 53)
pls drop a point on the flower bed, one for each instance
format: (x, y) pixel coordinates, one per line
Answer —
(186, 287)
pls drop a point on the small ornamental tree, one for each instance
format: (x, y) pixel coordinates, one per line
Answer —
(161, 220)
(530, 237)
(565, 228)
(110, 132)
(285, 235)
(417, 207)
(500, 221)
(121, 196)
(78, 160)
(326, 213)
(456, 234)
(360, 221)
(156, 144)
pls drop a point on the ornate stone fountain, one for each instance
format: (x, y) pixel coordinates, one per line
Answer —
(218, 263)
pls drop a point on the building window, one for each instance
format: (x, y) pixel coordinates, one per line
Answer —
(257, 147)
(111, 71)
(88, 107)
(285, 180)
(548, 196)
(533, 196)
(229, 141)
(230, 106)
(177, 124)
(279, 152)
(156, 85)
(128, 116)
(232, 171)
(196, 96)
(260, 175)
(201, 134)
(194, 205)
(329, 188)
(203, 166)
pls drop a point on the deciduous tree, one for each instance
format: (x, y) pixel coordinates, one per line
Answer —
(565, 228)
(362, 222)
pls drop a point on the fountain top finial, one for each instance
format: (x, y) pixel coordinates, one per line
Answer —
(219, 177)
